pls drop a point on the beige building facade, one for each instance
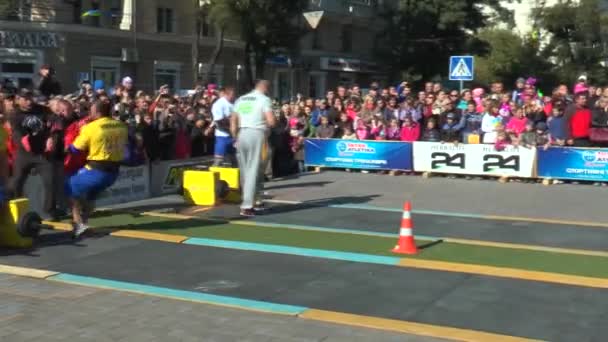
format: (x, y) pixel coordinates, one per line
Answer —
(148, 40)
(151, 41)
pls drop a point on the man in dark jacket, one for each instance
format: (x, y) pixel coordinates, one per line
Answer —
(34, 142)
(48, 85)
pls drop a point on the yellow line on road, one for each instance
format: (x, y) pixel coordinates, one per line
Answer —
(503, 272)
(150, 236)
(535, 248)
(59, 226)
(167, 215)
(26, 272)
(546, 220)
(406, 327)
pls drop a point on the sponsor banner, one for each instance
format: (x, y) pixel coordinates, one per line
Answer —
(133, 184)
(356, 154)
(474, 159)
(573, 163)
(166, 176)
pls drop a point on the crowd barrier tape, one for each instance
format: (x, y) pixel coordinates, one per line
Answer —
(466, 159)
(356, 154)
(573, 164)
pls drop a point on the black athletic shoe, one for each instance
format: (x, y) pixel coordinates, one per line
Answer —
(247, 212)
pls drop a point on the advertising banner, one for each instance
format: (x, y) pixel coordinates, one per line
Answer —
(357, 154)
(133, 184)
(574, 163)
(483, 160)
(166, 176)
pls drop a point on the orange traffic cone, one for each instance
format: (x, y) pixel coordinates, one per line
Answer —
(406, 243)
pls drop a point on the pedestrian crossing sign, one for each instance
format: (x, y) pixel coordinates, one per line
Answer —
(461, 68)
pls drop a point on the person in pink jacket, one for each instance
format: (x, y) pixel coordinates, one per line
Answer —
(517, 124)
(410, 131)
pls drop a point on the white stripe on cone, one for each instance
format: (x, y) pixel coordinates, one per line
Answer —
(407, 215)
(405, 232)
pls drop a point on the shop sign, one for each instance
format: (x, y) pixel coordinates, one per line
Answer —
(16, 39)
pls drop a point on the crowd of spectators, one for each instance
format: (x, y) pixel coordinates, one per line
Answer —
(522, 116)
(38, 124)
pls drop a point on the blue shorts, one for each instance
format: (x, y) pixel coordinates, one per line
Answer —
(3, 195)
(223, 146)
(89, 183)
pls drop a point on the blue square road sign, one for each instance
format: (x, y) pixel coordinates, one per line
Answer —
(462, 68)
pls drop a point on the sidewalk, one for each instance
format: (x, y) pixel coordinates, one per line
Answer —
(38, 310)
(481, 197)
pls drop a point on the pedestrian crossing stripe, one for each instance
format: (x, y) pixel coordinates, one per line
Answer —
(461, 70)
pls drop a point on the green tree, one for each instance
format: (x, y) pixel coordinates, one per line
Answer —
(267, 27)
(420, 35)
(575, 35)
(508, 56)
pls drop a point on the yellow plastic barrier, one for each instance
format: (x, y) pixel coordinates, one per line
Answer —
(9, 218)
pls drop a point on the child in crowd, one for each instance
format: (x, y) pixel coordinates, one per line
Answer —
(557, 125)
(528, 137)
(506, 108)
(490, 122)
(517, 124)
(431, 133)
(450, 131)
(502, 139)
(361, 130)
(472, 124)
(378, 131)
(393, 131)
(343, 122)
(410, 130)
(349, 134)
(325, 131)
(542, 137)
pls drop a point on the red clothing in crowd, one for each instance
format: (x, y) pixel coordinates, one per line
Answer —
(411, 133)
(580, 123)
(73, 162)
(10, 147)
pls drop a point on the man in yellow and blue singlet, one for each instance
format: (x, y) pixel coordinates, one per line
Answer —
(104, 141)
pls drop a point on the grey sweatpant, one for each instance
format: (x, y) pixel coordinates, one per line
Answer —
(250, 143)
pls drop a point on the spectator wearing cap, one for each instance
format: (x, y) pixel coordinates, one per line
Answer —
(519, 89)
(48, 85)
(99, 87)
(33, 141)
(578, 121)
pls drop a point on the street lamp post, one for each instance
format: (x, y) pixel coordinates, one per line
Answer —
(238, 78)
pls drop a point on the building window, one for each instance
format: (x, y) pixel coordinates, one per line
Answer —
(164, 20)
(106, 69)
(117, 13)
(207, 29)
(95, 20)
(347, 38)
(215, 76)
(167, 73)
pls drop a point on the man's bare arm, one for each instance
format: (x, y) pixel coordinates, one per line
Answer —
(234, 125)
